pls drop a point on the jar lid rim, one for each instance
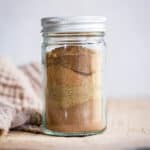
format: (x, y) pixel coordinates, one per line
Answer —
(73, 24)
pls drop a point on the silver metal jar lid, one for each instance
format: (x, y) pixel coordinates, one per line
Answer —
(73, 24)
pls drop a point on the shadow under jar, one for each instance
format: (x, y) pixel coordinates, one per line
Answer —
(73, 51)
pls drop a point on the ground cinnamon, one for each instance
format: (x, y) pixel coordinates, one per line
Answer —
(73, 93)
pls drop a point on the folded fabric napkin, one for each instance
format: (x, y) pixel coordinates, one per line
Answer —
(20, 97)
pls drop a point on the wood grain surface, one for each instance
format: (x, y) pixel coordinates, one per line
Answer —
(128, 129)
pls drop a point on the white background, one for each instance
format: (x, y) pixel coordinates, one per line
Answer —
(128, 36)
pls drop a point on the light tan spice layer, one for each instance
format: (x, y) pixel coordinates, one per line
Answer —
(69, 88)
(73, 94)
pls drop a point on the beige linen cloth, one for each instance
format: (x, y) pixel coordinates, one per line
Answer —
(20, 97)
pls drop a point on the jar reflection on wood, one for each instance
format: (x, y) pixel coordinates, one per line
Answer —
(73, 68)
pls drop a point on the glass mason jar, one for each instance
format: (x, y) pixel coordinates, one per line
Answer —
(73, 51)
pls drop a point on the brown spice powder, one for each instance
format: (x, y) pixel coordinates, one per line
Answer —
(73, 94)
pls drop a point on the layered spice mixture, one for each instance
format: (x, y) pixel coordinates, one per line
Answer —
(73, 90)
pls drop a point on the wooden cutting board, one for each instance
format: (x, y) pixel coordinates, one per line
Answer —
(128, 129)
